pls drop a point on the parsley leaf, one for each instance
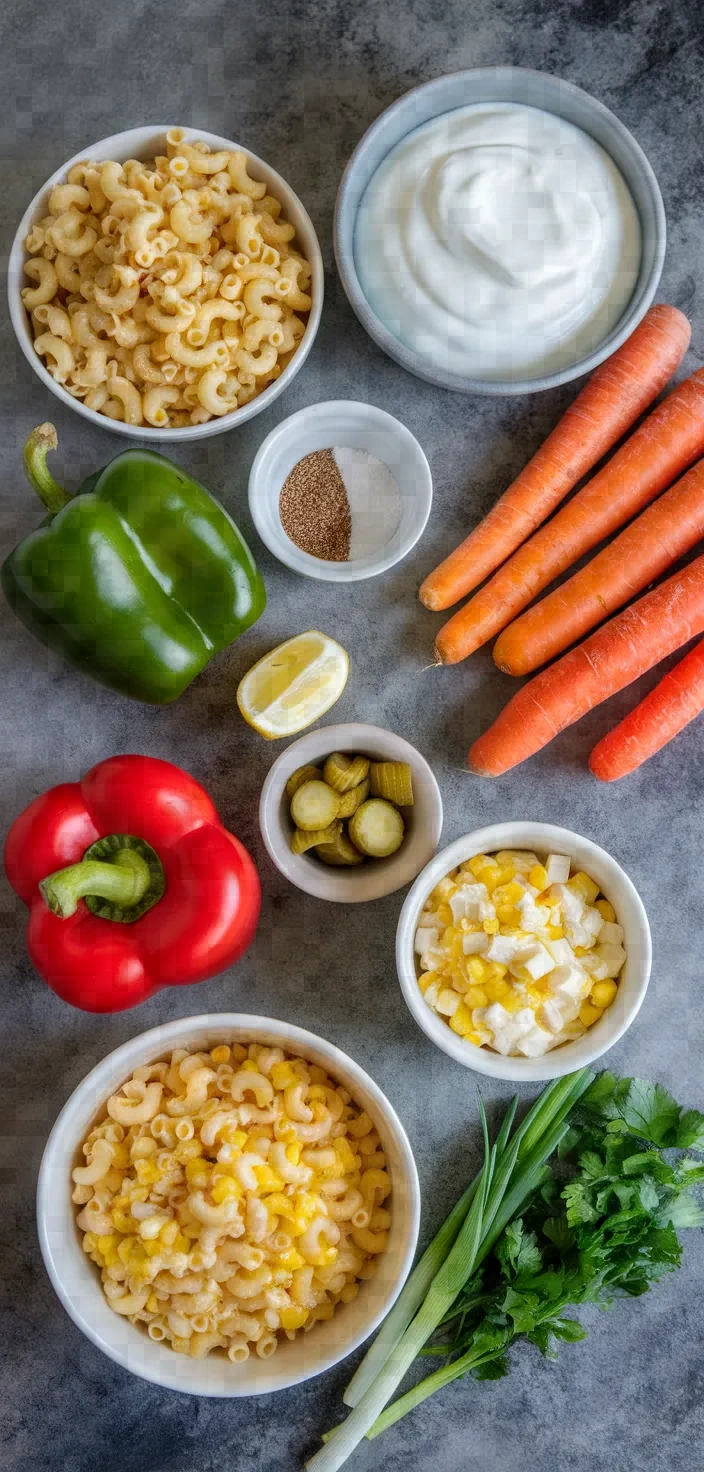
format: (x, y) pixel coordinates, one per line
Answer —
(649, 1110)
(690, 1131)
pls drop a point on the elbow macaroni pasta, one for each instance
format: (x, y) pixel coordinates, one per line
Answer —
(140, 269)
(229, 1198)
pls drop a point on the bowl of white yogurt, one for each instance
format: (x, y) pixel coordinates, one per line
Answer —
(499, 231)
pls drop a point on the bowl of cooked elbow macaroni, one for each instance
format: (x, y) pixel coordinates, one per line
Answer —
(227, 1205)
(166, 282)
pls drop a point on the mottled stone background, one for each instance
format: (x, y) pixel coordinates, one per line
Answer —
(298, 83)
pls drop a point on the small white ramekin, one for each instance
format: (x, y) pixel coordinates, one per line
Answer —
(542, 838)
(354, 426)
(77, 1281)
(145, 143)
(378, 877)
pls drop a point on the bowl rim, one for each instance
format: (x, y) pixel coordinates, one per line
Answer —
(379, 881)
(161, 1036)
(261, 491)
(514, 834)
(410, 360)
(138, 139)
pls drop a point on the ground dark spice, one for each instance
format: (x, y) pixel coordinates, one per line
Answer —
(314, 509)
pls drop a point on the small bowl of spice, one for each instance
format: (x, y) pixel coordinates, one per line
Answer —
(340, 491)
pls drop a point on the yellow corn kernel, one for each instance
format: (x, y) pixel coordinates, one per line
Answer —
(220, 1054)
(137, 1193)
(490, 926)
(147, 1172)
(345, 1155)
(123, 1223)
(496, 969)
(581, 950)
(426, 979)
(293, 1152)
(153, 1248)
(602, 995)
(461, 1022)
(293, 1317)
(105, 1242)
(606, 910)
(508, 894)
(585, 886)
(268, 1179)
(282, 1075)
(538, 876)
(198, 1172)
(554, 932)
(475, 996)
(90, 1242)
(181, 1243)
(478, 969)
(290, 1260)
(588, 1014)
(508, 915)
(497, 989)
(226, 1189)
(443, 889)
(152, 1304)
(279, 1205)
(231, 1135)
(479, 862)
(192, 1231)
(168, 1234)
(444, 914)
(187, 1150)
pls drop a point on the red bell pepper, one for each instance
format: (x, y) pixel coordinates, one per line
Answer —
(156, 893)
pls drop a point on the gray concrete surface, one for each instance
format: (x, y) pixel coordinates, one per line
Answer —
(298, 83)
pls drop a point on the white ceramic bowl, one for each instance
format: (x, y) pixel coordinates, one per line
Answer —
(353, 426)
(543, 838)
(377, 877)
(500, 84)
(145, 143)
(77, 1281)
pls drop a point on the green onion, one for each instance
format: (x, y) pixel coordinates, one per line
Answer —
(410, 1300)
(492, 1205)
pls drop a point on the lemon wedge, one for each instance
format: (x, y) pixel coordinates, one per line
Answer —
(293, 685)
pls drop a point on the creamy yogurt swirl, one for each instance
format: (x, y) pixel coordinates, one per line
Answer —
(498, 242)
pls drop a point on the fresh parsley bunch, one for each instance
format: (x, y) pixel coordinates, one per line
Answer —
(602, 1226)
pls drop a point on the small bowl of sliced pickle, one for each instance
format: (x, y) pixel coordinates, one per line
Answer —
(350, 813)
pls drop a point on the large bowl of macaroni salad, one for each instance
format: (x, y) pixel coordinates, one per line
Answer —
(166, 282)
(227, 1205)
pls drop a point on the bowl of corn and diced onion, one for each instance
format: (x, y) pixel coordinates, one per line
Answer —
(523, 951)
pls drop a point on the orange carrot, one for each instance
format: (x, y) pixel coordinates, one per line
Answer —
(668, 529)
(616, 654)
(616, 394)
(668, 441)
(665, 711)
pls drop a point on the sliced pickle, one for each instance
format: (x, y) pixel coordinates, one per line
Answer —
(343, 772)
(350, 801)
(301, 842)
(314, 806)
(340, 853)
(376, 828)
(303, 774)
(392, 781)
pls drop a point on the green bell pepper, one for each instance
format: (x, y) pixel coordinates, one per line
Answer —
(138, 579)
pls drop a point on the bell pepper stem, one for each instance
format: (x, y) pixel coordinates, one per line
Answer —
(40, 442)
(124, 882)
